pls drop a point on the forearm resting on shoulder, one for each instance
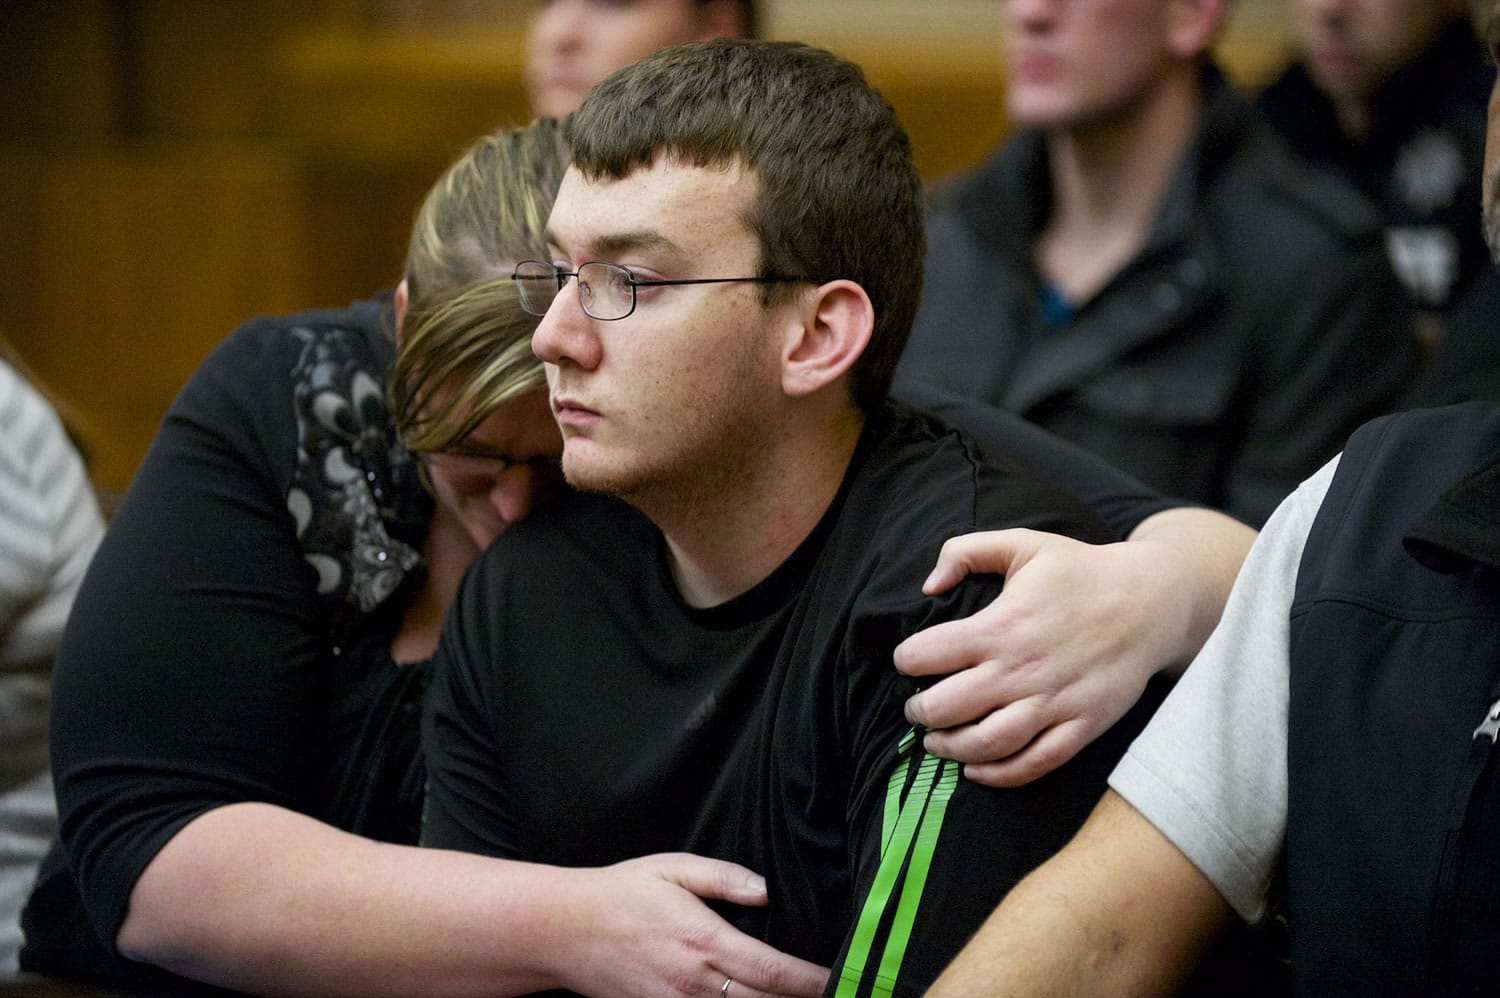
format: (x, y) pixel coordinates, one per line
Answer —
(1119, 911)
(1200, 552)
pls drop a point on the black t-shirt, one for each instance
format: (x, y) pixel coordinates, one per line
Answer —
(581, 713)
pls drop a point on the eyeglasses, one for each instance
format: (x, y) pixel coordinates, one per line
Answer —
(605, 290)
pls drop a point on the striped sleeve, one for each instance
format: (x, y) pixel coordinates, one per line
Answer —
(49, 525)
(916, 802)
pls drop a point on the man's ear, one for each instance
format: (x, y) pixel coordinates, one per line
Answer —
(825, 337)
(722, 19)
(402, 296)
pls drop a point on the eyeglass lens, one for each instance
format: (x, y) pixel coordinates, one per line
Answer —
(538, 284)
(604, 289)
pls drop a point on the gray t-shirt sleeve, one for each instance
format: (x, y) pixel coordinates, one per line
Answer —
(1210, 770)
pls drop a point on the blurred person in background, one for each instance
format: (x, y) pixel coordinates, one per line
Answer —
(1391, 94)
(1143, 270)
(573, 44)
(49, 528)
(1328, 761)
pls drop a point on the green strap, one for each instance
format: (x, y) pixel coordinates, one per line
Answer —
(909, 837)
(916, 878)
(893, 791)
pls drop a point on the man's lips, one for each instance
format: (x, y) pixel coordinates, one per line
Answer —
(570, 410)
(558, 78)
(1334, 58)
(1034, 66)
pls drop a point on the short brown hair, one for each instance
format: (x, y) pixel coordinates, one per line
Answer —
(466, 344)
(839, 196)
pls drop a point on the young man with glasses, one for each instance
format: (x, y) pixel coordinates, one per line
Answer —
(1027, 685)
(694, 651)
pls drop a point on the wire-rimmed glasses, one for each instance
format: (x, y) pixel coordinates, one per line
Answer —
(605, 290)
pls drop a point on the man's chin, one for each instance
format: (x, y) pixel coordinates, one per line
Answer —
(588, 476)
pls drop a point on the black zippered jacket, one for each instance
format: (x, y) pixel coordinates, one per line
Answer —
(1393, 816)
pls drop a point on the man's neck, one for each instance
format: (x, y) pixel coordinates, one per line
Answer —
(726, 536)
(1354, 116)
(1108, 181)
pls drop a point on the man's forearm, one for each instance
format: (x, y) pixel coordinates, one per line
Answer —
(1119, 911)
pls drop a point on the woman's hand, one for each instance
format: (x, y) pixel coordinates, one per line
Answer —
(647, 933)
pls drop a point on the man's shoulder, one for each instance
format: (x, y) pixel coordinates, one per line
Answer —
(1427, 449)
(575, 537)
(1464, 428)
(1296, 109)
(1264, 200)
(926, 477)
(1418, 484)
(994, 198)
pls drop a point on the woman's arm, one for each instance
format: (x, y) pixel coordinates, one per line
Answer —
(1079, 629)
(266, 900)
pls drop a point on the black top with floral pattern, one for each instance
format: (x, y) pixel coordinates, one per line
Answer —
(231, 642)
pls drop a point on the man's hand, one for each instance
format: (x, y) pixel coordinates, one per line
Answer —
(648, 933)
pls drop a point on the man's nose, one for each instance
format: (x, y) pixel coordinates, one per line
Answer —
(566, 332)
(556, 26)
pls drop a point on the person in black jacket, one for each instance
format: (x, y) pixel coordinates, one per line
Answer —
(1143, 270)
(1328, 759)
(1391, 95)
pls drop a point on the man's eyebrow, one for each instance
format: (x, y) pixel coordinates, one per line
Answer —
(621, 242)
